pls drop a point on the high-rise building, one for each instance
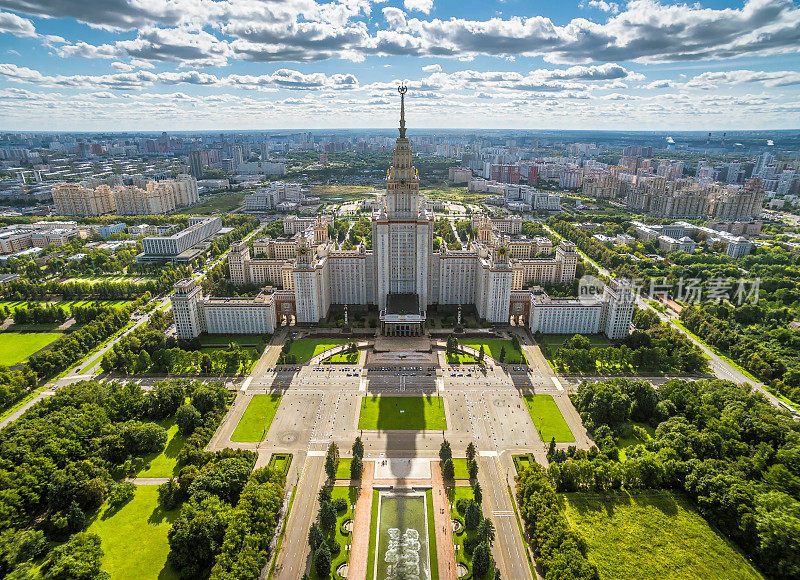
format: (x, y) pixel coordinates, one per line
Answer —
(76, 200)
(401, 275)
(195, 164)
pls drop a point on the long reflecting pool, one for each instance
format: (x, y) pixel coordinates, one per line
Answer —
(402, 547)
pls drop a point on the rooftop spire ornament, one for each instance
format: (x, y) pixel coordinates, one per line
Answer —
(402, 89)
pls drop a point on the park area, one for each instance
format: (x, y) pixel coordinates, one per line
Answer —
(16, 347)
(412, 413)
(68, 305)
(222, 203)
(257, 418)
(652, 535)
(547, 419)
(493, 347)
(134, 537)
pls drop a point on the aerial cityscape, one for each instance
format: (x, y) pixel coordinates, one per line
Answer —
(401, 290)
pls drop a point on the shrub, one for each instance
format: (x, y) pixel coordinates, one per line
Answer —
(121, 494)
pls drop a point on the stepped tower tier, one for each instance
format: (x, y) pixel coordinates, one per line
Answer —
(402, 229)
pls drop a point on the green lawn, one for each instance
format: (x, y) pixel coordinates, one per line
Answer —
(548, 419)
(134, 538)
(281, 461)
(523, 461)
(257, 418)
(460, 467)
(654, 535)
(434, 557)
(549, 343)
(373, 535)
(343, 469)
(15, 347)
(164, 464)
(492, 347)
(223, 203)
(461, 359)
(349, 358)
(307, 348)
(414, 413)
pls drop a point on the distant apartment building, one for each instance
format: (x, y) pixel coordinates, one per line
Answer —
(505, 173)
(73, 199)
(459, 175)
(157, 197)
(271, 197)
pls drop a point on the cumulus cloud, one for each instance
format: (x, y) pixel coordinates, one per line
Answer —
(432, 68)
(418, 5)
(16, 25)
(307, 30)
(603, 6)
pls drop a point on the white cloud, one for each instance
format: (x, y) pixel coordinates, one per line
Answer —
(432, 68)
(604, 6)
(418, 5)
(16, 25)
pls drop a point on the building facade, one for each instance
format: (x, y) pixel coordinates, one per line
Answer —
(401, 275)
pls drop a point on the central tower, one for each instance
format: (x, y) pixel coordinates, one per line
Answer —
(402, 228)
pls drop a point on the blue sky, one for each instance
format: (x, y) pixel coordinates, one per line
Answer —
(272, 64)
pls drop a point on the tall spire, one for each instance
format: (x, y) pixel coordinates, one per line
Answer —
(402, 89)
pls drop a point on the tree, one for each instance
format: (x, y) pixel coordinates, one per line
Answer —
(196, 535)
(322, 560)
(315, 537)
(502, 357)
(471, 451)
(169, 494)
(205, 364)
(486, 532)
(472, 516)
(121, 494)
(356, 467)
(358, 448)
(445, 452)
(78, 559)
(481, 354)
(477, 493)
(332, 460)
(188, 419)
(481, 560)
(76, 520)
(472, 468)
(448, 471)
(327, 517)
(552, 448)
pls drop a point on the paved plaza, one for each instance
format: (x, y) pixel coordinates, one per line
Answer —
(321, 403)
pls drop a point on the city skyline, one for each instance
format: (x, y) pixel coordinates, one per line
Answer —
(598, 65)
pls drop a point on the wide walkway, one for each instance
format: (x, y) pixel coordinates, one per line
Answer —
(443, 523)
(359, 548)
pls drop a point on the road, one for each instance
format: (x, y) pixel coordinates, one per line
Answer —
(294, 555)
(509, 549)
